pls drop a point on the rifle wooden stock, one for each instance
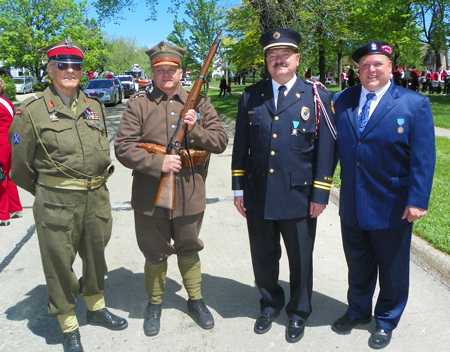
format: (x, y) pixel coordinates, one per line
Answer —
(165, 198)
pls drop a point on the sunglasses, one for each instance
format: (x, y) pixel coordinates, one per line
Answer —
(64, 66)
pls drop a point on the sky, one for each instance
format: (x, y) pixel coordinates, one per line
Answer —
(147, 33)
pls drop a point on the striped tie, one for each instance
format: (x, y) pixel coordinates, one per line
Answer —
(363, 118)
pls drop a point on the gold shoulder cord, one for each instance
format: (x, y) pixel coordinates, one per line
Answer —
(47, 155)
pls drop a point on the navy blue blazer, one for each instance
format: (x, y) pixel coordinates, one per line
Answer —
(277, 161)
(391, 164)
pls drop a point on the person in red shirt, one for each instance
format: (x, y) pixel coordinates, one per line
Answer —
(439, 78)
(10, 206)
(423, 80)
(414, 79)
(397, 76)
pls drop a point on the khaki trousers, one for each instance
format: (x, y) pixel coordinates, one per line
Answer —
(70, 222)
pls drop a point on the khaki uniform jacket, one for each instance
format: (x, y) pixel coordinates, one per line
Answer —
(78, 146)
(152, 118)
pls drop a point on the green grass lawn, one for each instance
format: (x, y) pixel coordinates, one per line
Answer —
(435, 227)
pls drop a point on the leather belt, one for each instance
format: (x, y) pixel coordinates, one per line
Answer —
(74, 183)
(199, 157)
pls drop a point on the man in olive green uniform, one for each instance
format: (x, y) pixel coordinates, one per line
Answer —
(152, 117)
(60, 154)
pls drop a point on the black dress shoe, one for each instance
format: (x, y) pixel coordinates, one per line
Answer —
(72, 341)
(152, 319)
(295, 330)
(105, 318)
(201, 313)
(346, 323)
(380, 338)
(263, 323)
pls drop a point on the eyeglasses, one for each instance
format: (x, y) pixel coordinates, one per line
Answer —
(64, 66)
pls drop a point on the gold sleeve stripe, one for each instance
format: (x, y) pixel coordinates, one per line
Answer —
(326, 188)
(326, 184)
(237, 172)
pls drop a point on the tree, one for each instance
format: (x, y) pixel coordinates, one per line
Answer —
(198, 34)
(28, 25)
(436, 30)
(242, 45)
(123, 53)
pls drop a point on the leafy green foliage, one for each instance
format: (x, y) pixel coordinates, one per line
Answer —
(28, 25)
(197, 34)
(10, 88)
(122, 53)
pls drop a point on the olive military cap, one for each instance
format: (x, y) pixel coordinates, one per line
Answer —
(280, 38)
(376, 47)
(66, 50)
(165, 54)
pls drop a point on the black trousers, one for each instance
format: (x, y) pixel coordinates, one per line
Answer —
(298, 235)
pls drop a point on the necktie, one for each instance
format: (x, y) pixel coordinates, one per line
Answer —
(363, 118)
(280, 98)
(73, 106)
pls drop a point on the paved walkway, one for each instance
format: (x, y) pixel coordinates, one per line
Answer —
(228, 286)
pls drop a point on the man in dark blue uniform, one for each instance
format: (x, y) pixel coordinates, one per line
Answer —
(386, 148)
(281, 173)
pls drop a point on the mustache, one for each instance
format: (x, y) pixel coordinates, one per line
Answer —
(280, 64)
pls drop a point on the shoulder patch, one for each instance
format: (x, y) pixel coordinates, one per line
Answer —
(138, 95)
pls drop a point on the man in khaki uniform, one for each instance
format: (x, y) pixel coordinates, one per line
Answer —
(60, 154)
(152, 117)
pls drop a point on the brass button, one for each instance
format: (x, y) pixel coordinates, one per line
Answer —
(276, 118)
(304, 130)
(274, 135)
(272, 153)
(271, 171)
(306, 183)
(251, 123)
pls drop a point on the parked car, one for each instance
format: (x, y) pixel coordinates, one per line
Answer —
(185, 81)
(129, 86)
(121, 89)
(105, 89)
(328, 80)
(23, 84)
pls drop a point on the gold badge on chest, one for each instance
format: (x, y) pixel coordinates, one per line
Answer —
(305, 113)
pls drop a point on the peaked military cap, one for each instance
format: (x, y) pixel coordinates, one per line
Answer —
(280, 38)
(66, 50)
(165, 54)
(376, 47)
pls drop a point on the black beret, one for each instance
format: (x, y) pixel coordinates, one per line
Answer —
(376, 47)
(280, 38)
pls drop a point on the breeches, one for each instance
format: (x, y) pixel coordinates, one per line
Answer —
(299, 236)
(70, 222)
(159, 238)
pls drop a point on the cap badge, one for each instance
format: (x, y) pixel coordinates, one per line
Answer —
(387, 48)
(373, 47)
(163, 48)
(276, 35)
(69, 42)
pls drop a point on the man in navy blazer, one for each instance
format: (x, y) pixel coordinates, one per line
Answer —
(386, 146)
(281, 176)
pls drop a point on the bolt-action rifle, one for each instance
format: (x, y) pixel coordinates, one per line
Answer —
(165, 197)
